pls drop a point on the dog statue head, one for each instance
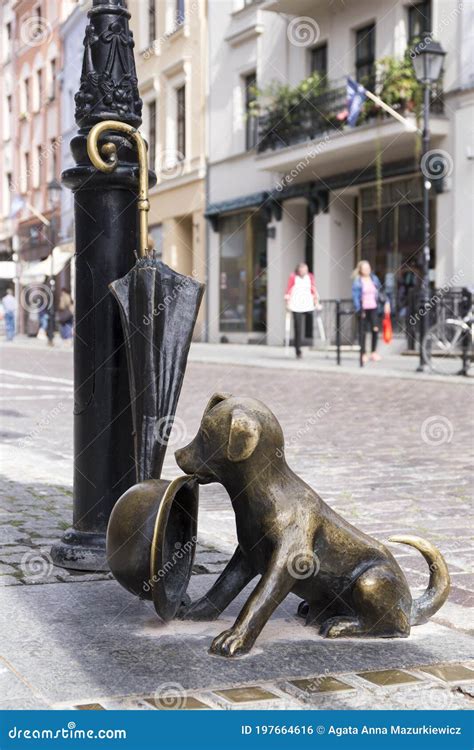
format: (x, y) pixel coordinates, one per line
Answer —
(237, 432)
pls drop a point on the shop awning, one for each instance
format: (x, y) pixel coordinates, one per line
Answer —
(62, 254)
(7, 269)
(37, 270)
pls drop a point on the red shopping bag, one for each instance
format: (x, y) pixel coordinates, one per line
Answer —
(387, 328)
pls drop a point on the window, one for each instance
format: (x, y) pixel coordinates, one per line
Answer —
(152, 134)
(7, 195)
(54, 158)
(419, 20)
(25, 173)
(243, 273)
(151, 21)
(8, 41)
(25, 96)
(181, 123)
(7, 118)
(251, 122)
(52, 79)
(37, 167)
(319, 60)
(156, 233)
(38, 89)
(365, 55)
(179, 12)
(38, 30)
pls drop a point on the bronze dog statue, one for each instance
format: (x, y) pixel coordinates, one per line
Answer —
(350, 583)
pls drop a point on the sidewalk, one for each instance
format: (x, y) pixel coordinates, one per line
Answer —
(80, 640)
(394, 363)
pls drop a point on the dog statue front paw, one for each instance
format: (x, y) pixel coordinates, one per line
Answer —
(231, 643)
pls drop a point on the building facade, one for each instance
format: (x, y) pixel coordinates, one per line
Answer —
(171, 59)
(7, 92)
(72, 38)
(290, 181)
(31, 140)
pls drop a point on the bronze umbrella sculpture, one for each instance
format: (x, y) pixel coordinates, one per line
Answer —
(152, 528)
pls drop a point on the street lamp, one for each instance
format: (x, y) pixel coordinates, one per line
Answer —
(54, 198)
(427, 58)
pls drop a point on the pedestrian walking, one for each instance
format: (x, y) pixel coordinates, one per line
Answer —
(301, 299)
(65, 315)
(370, 302)
(9, 308)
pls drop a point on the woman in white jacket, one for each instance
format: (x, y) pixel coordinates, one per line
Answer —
(301, 298)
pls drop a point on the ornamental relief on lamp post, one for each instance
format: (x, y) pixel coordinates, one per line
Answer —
(108, 81)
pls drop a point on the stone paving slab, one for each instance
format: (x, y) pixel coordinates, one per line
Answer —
(80, 643)
(391, 456)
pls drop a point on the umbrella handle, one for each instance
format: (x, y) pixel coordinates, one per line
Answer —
(109, 150)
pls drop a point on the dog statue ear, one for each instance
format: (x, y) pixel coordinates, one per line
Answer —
(243, 436)
(215, 399)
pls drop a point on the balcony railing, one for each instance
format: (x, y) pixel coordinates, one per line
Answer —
(312, 116)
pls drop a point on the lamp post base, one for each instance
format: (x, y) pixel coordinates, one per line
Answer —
(80, 550)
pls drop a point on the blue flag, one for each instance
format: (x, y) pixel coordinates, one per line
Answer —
(355, 100)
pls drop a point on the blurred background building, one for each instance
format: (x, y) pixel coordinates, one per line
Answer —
(30, 155)
(171, 58)
(246, 120)
(290, 181)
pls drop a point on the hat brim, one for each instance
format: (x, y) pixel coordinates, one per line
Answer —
(173, 545)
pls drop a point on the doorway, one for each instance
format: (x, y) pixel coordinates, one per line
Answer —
(392, 237)
(243, 273)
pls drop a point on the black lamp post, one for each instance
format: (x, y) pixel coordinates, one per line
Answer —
(427, 58)
(106, 230)
(54, 196)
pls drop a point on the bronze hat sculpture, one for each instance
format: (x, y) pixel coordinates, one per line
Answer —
(151, 540)
(350, 583)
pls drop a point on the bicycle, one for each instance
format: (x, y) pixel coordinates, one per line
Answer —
(447, 341)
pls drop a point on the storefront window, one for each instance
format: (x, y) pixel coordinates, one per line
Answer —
(243, 275)
(392, 235)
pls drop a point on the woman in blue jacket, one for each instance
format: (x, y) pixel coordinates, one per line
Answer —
(369, 303)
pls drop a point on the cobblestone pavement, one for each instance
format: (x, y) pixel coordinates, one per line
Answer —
(391, 455)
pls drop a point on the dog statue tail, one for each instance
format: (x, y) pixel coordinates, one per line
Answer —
(438, 587)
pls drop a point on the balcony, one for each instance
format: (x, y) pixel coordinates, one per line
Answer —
(303, 134)
(305, 113)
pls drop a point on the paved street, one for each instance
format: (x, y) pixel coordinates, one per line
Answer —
(393, 455)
